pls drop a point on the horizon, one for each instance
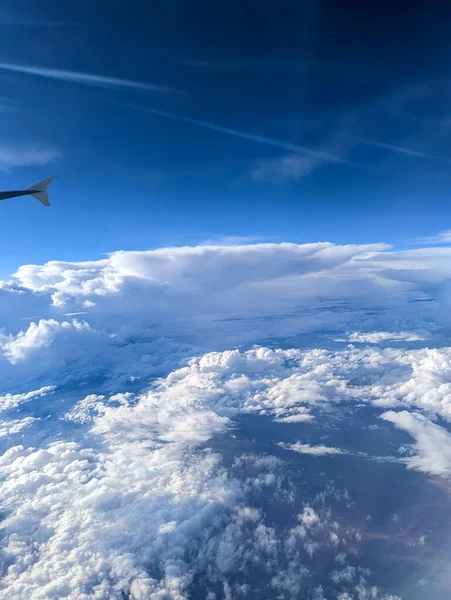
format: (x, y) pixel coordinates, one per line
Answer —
(312, 123)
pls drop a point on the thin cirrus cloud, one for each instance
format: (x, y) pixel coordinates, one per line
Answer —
(84, 78)
(443, 237)
(9, 19)
(292, 167)
(288, 167)
(251, 64)
(260, 139)
(26, 156)
(406, 151)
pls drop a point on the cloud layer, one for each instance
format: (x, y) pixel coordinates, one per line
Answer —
(116, 424)
(141, 509)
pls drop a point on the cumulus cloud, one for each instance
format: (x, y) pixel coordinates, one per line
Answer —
(140, 511)
(201, 267)
(377, 337)
(11, 401)
(318, 450)
(432, 442)
(204, 288)
(38, 335)
(12, 426)
(108, 468)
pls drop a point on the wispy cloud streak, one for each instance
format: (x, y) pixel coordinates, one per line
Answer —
(83, 78)
(325, 156)
(443, 237)
(10, 19)
(406, 151)
(251, 64)
(26, 156)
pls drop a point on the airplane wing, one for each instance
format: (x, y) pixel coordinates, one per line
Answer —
(39, 191)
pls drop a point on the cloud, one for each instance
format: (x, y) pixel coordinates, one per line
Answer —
(233, 240)
(11, 427)
(260, 139)
(251, 64)
(376, 337)
(37, 336)
(12, 156)
(292, 167)
(10, 401)
(432, 442)
(119, 431)
(144, 507)
(286, 168)
(181, 301)
(83, 78)
(406, 151)
(10, 19)
(319, 450)
(443, 237)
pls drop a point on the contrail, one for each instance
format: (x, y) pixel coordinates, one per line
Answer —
(11, 19)
(243, 135)
(405, 151)
(84, 78)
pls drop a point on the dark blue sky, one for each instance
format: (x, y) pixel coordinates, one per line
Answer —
(294, 121)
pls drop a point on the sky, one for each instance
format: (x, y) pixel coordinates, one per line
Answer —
(189, 122)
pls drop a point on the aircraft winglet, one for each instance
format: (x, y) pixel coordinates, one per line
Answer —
(39, 191)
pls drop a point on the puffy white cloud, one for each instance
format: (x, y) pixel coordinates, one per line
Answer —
(8, 428)
(319, 450)
(308, 517)
(377, 337)
(432, 442)
(116, 494)
(141, 511)
(165, 304)
(40, 335)
(10, 401)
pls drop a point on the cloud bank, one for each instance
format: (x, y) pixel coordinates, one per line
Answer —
(116, 424)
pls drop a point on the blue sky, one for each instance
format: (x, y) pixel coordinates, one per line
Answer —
(177, 123)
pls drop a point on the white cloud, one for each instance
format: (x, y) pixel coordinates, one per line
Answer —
(138, 509)
(85, 410)
(376, 337)
(11, 401)
(37, 336)
(207, 288)
(443, 237)
(322, 155)
(83, 78)
(301, 416)
(285, 168)
(318, 450)
(432, 443)
(8, 428)
(12, 156)
(308, 517)
(122, 483)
